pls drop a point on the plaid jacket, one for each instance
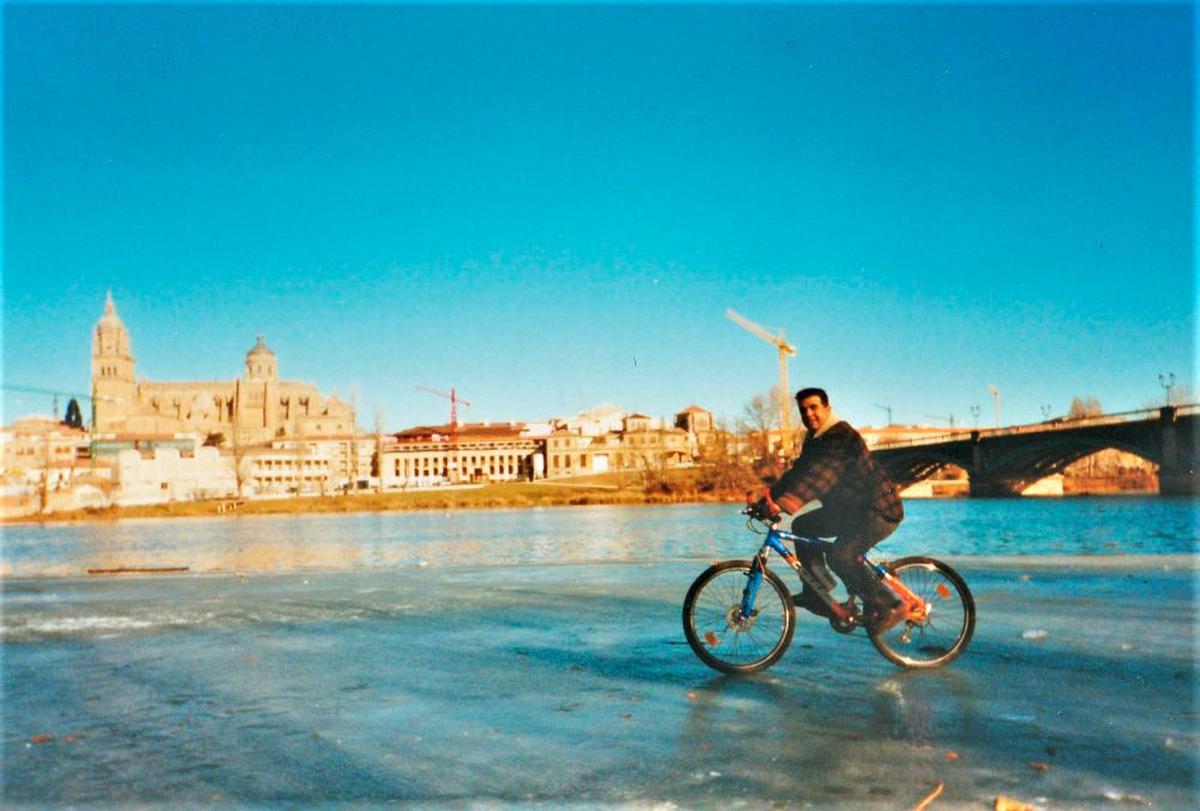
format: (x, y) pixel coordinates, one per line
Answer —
(837, 468)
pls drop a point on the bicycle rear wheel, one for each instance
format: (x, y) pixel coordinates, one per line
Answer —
(944, 631)
(712, 619)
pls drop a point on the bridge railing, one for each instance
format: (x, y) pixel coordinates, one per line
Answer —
(1057, 424)
(935, 439)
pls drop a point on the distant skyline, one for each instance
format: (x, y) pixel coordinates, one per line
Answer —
(551, 207)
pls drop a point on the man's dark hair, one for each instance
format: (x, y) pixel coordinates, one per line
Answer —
(804, 394)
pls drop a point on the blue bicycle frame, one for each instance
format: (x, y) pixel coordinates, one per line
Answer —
(774, 540)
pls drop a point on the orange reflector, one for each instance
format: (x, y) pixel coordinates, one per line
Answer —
(942, 591)
(711, 639)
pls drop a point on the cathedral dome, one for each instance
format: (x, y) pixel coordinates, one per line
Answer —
(260, 350)
(260, 362)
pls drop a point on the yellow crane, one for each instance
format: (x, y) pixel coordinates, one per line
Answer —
(785, 395)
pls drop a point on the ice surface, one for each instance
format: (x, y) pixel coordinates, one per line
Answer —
(557, 684)
(514, 679)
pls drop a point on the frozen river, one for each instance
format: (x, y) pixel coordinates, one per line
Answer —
(535, 657)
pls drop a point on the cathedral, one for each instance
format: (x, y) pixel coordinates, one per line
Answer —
(254, 408)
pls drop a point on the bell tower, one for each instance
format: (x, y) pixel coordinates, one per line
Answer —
(113, 388)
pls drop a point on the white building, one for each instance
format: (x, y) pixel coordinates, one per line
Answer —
(285, 472)
(349, 457)
(168, 475)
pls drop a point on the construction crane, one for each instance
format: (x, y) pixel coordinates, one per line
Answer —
(57, 393)
(785, 395)
(949, 418)
(452, 396)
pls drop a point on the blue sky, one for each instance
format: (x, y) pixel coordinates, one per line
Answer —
(551, 207)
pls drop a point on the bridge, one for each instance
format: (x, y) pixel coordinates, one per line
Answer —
(1004, 461)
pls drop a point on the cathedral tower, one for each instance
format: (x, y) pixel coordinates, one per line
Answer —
(258, 416)
(113, 388)
(261, 365)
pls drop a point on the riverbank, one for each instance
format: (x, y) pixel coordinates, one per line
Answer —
(680, 487)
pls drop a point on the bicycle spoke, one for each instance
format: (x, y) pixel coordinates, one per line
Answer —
(741, 644)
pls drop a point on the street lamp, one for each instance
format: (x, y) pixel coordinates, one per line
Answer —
(975, 414)
(1167, 381)
(1045, 412)
(995, 396)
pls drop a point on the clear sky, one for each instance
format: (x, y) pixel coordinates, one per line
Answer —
(551, 207)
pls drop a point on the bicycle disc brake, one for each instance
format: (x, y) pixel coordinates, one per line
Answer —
(736, 622)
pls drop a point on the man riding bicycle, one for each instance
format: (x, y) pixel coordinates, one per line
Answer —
(858, 501)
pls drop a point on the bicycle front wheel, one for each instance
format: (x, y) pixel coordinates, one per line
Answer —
(944, 630)
(714, 627)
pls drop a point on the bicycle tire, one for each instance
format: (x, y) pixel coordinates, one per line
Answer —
(945, 632)
(707, 625)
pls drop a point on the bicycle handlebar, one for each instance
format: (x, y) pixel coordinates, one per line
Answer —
(749, 512)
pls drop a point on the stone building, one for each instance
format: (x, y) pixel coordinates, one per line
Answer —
(596, 441)
(31, 445)
(254, 408)
(349, 457)
(46, 467)
(641, 442)
(480, 452)
(695, 420)
(702, 432)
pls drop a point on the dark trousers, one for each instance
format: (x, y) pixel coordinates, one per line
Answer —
(855, 533)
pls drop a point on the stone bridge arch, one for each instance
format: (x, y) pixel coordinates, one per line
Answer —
(1006, 461)
(921, 463)
(1012, 470)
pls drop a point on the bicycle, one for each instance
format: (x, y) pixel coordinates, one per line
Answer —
(735, 625)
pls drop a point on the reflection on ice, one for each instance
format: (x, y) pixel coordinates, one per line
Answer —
(1012, 529)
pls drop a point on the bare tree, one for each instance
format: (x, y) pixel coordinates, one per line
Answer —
(239, 459)
(378, 462)
(353, 460)
(1082, 407)
(759, 418)
(43, 486)
(723, 468)
(653, 467)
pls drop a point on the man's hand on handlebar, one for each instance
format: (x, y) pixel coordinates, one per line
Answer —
(764, 509)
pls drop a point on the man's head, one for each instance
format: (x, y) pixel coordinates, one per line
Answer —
(814, 407)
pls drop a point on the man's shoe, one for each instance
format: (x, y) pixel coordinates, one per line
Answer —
(809, 601)
(885, 619)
